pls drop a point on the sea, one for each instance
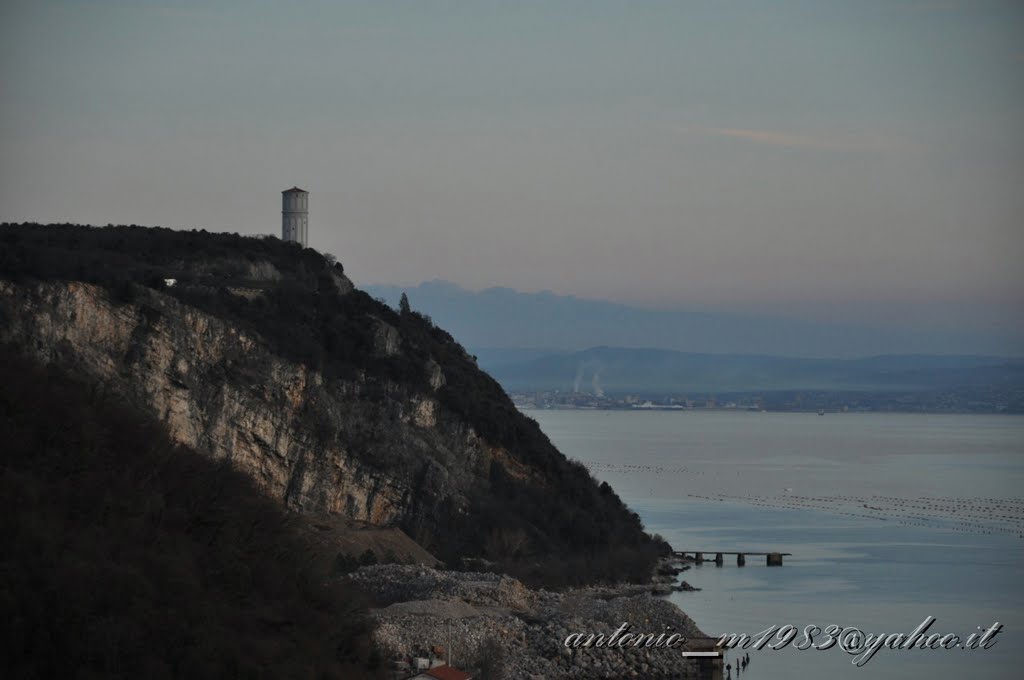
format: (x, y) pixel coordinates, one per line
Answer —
(892, 521)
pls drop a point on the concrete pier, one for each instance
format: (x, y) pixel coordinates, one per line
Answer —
(772, 559)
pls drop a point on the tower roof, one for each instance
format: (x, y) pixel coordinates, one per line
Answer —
(295, 190)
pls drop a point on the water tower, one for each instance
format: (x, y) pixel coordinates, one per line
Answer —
(295, 216)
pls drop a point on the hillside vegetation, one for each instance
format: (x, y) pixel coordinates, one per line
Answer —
(128, 556)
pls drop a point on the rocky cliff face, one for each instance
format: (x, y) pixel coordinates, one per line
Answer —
(221, 391)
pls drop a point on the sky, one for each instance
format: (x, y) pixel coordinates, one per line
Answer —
(856, 161)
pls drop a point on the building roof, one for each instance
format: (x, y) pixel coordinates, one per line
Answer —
(295, 190)
(446, 673)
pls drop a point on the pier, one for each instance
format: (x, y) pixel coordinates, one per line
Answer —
(772, 559)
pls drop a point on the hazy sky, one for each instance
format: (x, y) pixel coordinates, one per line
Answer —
(852, 159)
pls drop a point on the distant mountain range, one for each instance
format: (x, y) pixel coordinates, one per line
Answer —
(624, 370)
(501, 325)
(543, 341)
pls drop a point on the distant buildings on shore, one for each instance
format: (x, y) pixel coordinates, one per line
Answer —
(962, 400)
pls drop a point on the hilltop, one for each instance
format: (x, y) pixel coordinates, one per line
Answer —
(264, 354)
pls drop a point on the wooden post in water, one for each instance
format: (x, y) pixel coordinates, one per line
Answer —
(774, 559)
(698, 558)
(741, 560)
(718, 559)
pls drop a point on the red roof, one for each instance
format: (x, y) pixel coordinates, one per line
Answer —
(447, 673)
(295, 190)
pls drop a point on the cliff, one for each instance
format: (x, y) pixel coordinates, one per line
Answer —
(221, 391)
(264, 355)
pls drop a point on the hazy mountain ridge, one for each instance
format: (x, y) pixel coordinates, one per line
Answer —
(506, 318)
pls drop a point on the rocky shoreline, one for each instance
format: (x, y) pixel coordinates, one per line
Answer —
(481, 618)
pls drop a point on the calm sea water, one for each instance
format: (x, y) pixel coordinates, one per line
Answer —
(890, 519)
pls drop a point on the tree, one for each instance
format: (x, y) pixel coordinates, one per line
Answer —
(403, 305)
(489, 660)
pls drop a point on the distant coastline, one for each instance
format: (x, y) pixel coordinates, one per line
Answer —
(953, 402)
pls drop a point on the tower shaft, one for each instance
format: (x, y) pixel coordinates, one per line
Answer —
(295, 216)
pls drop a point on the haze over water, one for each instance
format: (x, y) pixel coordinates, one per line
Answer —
(890, 518)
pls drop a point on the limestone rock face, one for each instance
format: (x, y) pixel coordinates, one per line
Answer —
(393, 458)
(435, 375)
(386, 339)
(343, 283)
